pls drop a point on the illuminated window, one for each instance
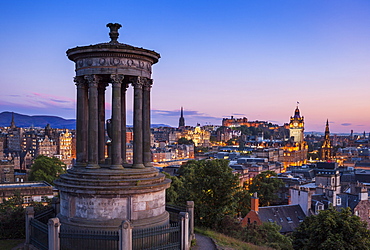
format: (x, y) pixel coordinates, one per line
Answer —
(27, 199)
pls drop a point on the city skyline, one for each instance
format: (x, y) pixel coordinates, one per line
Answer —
(242, 59)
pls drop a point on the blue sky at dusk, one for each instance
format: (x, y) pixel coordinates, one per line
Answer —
(251, 59)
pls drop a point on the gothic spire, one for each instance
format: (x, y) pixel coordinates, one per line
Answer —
(327, 131)
(12, 124)
(182, 119)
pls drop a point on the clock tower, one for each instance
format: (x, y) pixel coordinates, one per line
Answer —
(296, 127)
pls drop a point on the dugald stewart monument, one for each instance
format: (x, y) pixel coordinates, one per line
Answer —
(101, 190)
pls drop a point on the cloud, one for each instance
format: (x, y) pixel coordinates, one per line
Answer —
(39, 103)
(346, 124)
(60, 101)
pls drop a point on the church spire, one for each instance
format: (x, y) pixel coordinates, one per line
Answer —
(326, 148)
(12, 124)
(182, 119)
(327, 131)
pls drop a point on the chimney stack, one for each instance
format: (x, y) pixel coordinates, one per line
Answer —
(363, 195)
(254, 202)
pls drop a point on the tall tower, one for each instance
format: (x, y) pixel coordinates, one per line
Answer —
(100, 192)
(12, 123)
(326, 148)
(296, 126)
(182, 119)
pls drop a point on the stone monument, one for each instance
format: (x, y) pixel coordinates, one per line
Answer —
(100, 192)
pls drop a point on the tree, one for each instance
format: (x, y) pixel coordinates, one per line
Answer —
(213, 187)
(12, 222)
(172, 194)
(46, 169)
(266, 184)
(268, 234)
(183, 140)
(332, 229)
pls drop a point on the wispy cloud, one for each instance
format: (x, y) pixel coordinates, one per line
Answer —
(60, 101)
(39, 100)
(346, 124)
(39, 103)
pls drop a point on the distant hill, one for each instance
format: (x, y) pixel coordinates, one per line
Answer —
(42, 120)
(36, 121)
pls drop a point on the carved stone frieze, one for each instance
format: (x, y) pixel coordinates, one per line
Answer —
(114, 61)
(113, 65)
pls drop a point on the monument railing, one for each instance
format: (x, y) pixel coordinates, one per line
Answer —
(89, 239)
(39, 234)
(174, 212)
(161, 237)
(52, 235)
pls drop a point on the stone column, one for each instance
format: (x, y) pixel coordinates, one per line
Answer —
(30, 214)
(125, 236)
(81, 122)
(138, 122)
(101, 126)
(123, 121)
(53, 234)
(184, 220)
(93, 81)
(190, 210)
(147, 156)
(116, 122)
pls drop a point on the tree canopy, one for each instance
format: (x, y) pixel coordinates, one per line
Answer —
(266, 185)
(332, 229)
(46, 169)
(213, 187)
(12, 222)
(183, 140)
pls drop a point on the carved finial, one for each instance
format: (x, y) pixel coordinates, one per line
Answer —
(113, 34)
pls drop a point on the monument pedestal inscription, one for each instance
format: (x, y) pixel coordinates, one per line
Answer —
(101, 192)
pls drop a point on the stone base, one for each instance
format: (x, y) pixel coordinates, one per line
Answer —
(102, 198)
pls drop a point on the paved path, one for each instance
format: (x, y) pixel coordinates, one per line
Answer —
(203, 243)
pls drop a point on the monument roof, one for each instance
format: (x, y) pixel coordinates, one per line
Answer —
(111, 47)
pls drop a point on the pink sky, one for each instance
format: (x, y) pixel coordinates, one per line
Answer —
(246, 58)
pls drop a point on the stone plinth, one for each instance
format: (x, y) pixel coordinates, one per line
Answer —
(102, 198)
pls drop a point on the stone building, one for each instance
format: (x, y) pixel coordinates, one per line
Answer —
(295, 150)
(234, 122)
(64, 147)
(296, 126)
(198, 135)
(288, 217)
(6, 171)
(30, 191)
(46, 146)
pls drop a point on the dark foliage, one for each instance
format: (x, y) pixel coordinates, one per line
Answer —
(266, 185)
(46, 169)
(12, 217)
(332, 229)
